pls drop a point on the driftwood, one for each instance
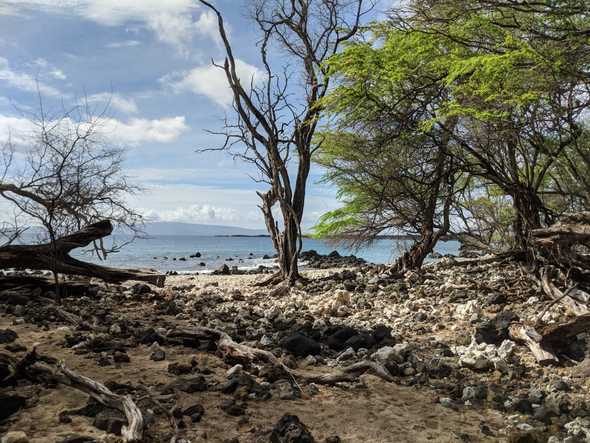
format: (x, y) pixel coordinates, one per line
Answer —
(37, 368)
(55, 256)
(133, 432)
(236, 352)
(484, 260)
(532, 339)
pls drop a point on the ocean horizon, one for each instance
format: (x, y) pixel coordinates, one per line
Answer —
(173, 252)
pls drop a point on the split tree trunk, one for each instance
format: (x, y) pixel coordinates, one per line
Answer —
(55, 257)
(528, 208)
(288, 242)
(414, 258)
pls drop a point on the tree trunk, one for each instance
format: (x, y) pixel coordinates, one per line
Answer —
(287, 243)
(528, 208)
(55, 257)
(414, 258)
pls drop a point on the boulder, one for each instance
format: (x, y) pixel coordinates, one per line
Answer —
(7, 336)
(290, 429)
(10, 404)
(338, 339)
(495, 331)
(301, 345)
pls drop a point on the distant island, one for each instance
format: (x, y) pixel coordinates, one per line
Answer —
(202, 230)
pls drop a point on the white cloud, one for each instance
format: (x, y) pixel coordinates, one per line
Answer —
(116, 101)
(132, 132)
(200, 204)
(171, 20)
(207, 26)
(58, 74)
(211, 81)
(124, 44)
(23, 81)
(140, 130)
(16, 129)
(196, 214)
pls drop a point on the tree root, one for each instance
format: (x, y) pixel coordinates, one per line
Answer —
(273, 280)
(348, 374)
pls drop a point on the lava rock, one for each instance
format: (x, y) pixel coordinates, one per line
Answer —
(223, 270)
(362, 340)
(141, 289)
(10, 404)
(158, 353)
(179, 368)
(338, 339)
(7, 336)
(233, 407)
(471, 393)
(121, 357)
(195, 412)
(188, 385)
(495, 331)
(301, 345)
(110, 421)
(290, 429)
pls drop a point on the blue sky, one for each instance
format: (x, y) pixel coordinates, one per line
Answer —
(152, 60)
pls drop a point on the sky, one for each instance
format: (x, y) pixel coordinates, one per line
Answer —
(150, 61)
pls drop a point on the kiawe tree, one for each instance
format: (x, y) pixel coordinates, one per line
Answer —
(504, 96)
(389, 159)
(276, 117)
(517, 72)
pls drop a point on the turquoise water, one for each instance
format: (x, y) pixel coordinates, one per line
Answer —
(246, 252)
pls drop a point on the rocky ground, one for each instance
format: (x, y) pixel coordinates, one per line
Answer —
(441, 334)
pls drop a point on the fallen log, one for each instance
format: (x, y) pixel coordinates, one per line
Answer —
(532, 339)
(55, 257)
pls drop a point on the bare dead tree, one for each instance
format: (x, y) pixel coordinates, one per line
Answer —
(275, 124)
(64, 175)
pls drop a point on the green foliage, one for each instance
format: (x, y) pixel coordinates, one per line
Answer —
(508, 83)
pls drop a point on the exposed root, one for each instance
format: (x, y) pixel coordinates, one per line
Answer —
(348, 374)
(278, 279)
(274, 279)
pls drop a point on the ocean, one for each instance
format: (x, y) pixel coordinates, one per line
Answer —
(158, 252)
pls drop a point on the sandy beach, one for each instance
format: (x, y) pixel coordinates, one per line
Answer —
(435, 394)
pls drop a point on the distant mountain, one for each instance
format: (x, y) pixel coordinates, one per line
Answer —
(176, 228)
